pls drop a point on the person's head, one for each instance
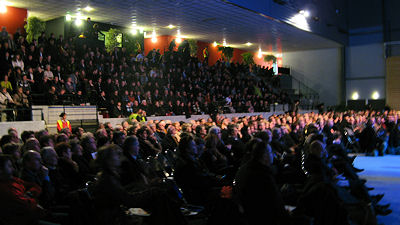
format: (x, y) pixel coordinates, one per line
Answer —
(108, 157)
(13, 150)
(262, 152)
(31, 160)
(63, 150)
(317, 148)
(46, 140)
(233, 130)
(76, 147)
(187, 146)
(118, 137)
(187, 127)
(88, 143)
(63, 116)
(49, 157)
(61, 138)
(201, 130)
(265, 136)
(276, 133)
(171, 130)
(142, 133)
(131, 146)
(215, 130)
(78, 131)
(6, 167)
(32, 144)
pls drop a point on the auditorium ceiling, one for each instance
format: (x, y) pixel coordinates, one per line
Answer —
(205, 20)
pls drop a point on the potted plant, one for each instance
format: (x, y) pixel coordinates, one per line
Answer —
(226, 52)
(248, 58)
(193, 47)
(34, 27)
(269, 58)
(111, 41)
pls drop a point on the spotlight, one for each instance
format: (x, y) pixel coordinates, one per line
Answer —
(171, 26)
(88, 9)
(134, 31)
(68, 17)
(3, 7)
(259, 55)
(154, 37)
(215, 44)
(224, 43)
(355, 95)
(375, 95)
(78, 22)
(248, 44)
(178, 37)
(305, 13)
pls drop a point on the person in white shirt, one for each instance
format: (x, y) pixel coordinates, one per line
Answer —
(48, 73)
(17, 62)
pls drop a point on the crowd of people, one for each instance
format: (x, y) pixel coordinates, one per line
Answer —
(72, 71)
(236, 171)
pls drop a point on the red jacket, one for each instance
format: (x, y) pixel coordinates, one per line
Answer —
(18, 202)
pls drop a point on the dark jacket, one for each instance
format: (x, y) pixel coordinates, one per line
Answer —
(258, 194)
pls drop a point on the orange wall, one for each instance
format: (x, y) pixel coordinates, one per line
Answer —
(13, 18)
(162, 44)
(214, 55)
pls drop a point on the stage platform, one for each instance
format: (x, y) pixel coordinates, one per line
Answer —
(383, 173)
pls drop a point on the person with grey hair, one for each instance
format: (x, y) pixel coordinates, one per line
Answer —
(215, 130)
(89, 146)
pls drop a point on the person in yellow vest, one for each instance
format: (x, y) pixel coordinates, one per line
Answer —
(63, 123)
(205, 54)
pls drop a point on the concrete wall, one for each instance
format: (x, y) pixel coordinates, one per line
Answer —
(365, 65)
(320, 70)
(55, 26)
(21, 126)
(118, 121)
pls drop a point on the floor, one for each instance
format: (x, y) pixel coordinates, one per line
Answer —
(383, 173)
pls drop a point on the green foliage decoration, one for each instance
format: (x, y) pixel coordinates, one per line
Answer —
(226, 52)
(34, 27)
(248, 58)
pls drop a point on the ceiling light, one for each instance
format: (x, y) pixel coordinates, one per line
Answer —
(178, 37)
(3, 7)
(215, 44)
(78, 22)
(355, 95)
(299, 21)
(154, 37)
(171, 26)
(88, 9)
(68, 17)
(375, 95)
(248, 44)
(305, 13)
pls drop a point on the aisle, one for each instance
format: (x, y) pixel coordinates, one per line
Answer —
(383, 173)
